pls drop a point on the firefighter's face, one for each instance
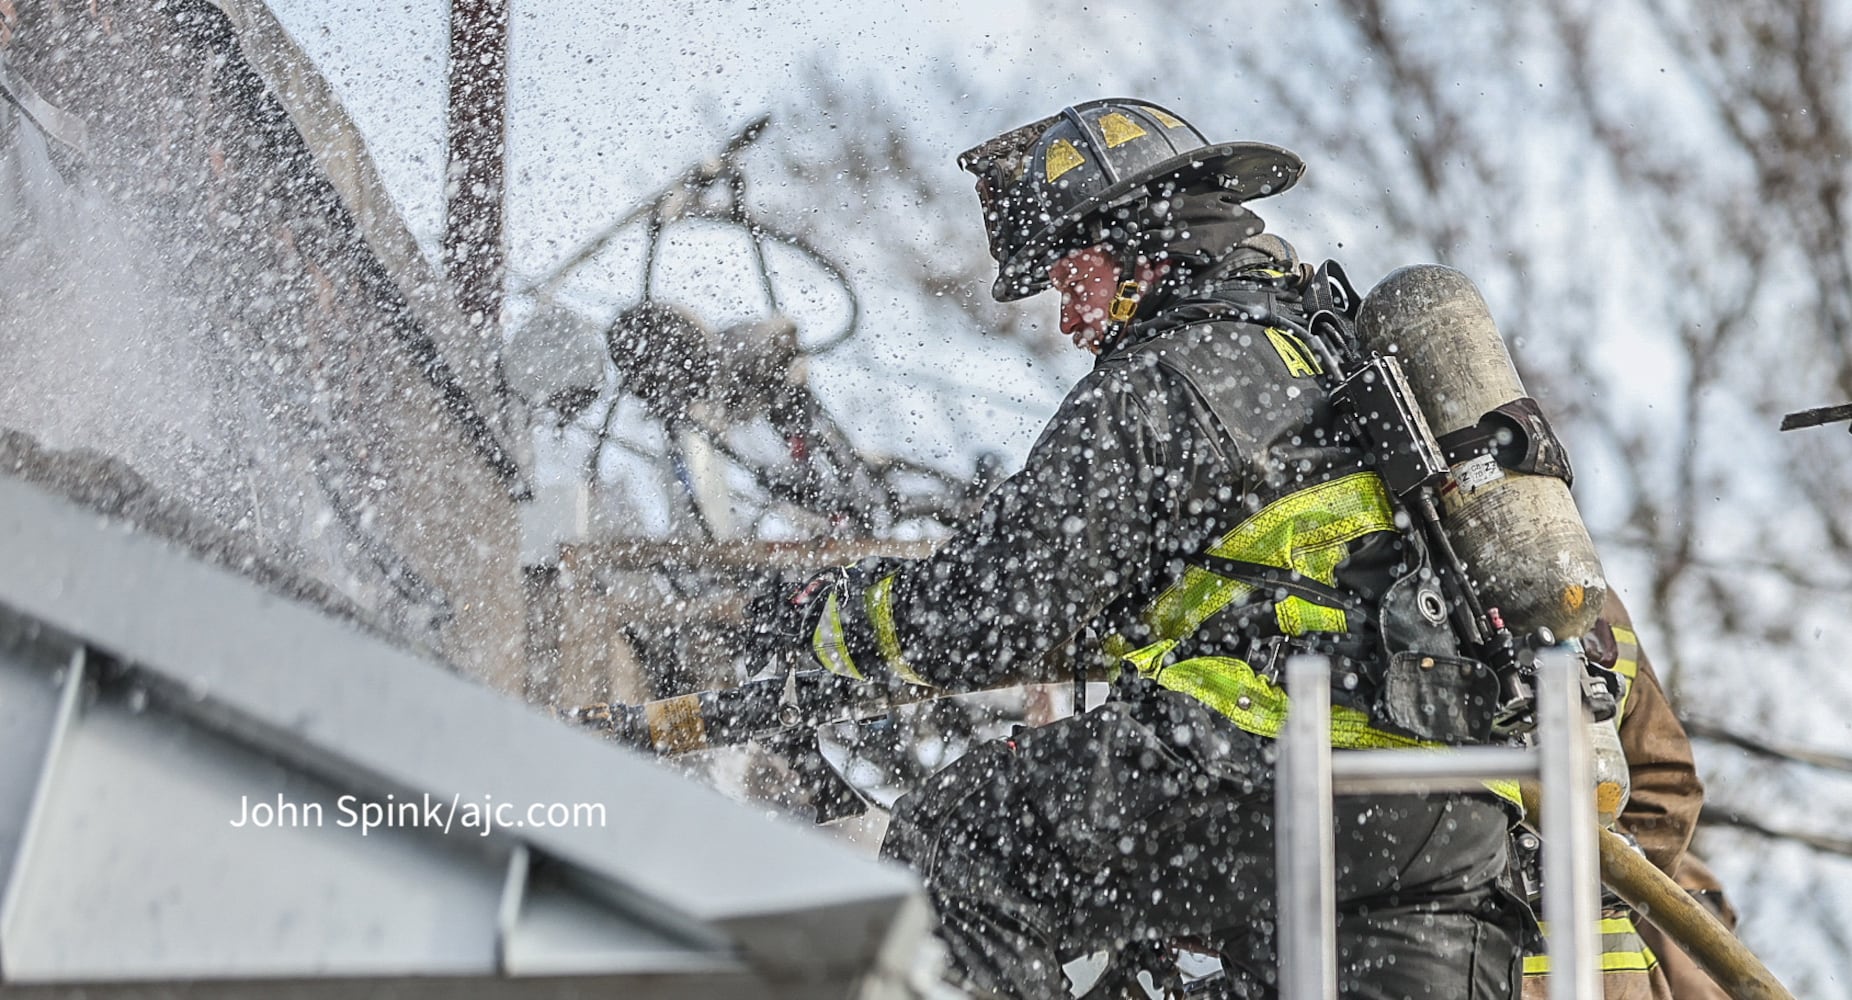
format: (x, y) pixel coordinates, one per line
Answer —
(1086, 280)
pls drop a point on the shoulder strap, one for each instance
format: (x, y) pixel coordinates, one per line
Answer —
(1330, 290)
(1332, 304)
(1276, 579)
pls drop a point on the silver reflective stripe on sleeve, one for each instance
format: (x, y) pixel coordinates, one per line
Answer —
(829, 644)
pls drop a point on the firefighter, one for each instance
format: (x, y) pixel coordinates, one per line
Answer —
(1660, 815)
(1196, 499)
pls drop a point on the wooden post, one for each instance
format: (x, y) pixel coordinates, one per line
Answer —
(473, 255)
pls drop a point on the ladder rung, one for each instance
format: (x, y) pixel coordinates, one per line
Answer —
(1463, 769)
(1310, 772)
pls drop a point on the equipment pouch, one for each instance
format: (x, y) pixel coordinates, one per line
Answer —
(1428, 690)
(1444, 699)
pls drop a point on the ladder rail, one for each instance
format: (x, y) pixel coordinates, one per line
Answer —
(1309, 775)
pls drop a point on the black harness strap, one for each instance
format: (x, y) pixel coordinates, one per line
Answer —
(1276, 580)
(1517, 436)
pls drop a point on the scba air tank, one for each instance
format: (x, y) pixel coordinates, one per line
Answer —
(1518, 533)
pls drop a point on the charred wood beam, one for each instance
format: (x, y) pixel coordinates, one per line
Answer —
(54, 121)
(423, 316)
(473, 255)
(1817, 416)
(749, 555)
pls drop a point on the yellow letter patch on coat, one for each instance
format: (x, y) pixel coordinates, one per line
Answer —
(1300, 361)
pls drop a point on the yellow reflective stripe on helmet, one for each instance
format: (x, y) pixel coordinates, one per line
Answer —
(1166, 118)
(1309, 531)
(1117, 129)
(880, 603)
(1626, 660)
(830, 645)
(1061, 158)
(1232, 688)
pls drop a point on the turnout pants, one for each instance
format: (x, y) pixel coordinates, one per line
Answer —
(1153, 821)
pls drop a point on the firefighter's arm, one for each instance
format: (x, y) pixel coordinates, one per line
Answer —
(1052, 546)
(1662, 809)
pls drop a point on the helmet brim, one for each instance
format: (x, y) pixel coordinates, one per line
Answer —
(1248, 170)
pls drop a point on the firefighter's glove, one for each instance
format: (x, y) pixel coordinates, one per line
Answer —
(845, 620)
(808, 602)
(808, 614)
(782, 614)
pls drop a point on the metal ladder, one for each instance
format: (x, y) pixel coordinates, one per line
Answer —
(1309, 774)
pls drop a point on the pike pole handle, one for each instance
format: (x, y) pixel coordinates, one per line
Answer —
(781, 712)
(757, 709)
(1654, 896)
(1657, 898)
(690, 722)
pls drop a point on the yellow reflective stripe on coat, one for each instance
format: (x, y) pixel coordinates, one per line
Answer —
(1309, 531)
(1622, 949)
(830, 645)
(1231, 687)
(1626, 660)
(1147, 661)
(879, 600)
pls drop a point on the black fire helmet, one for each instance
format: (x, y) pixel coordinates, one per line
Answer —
(1101, 172)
